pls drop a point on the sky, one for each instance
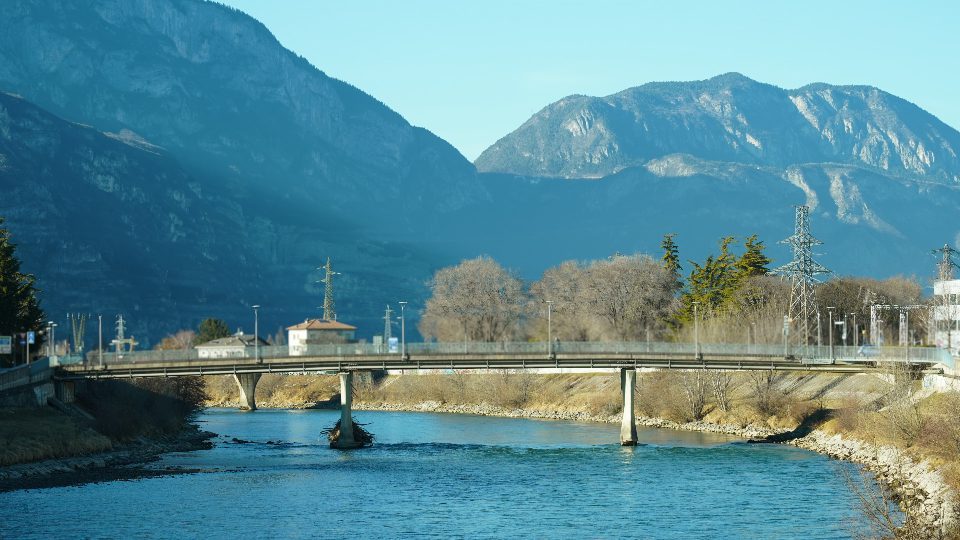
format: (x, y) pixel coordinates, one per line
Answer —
(472, 72)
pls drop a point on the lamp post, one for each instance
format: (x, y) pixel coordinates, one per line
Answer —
(856, 332)
(696, 330)
(549, 327)
(256, 332)
(403, 331)
(100, 339)
(830, 329)
(51, 349)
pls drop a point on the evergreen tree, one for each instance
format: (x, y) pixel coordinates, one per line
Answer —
(754, 261)
(19, 309)
(211, 329)
(671, 259)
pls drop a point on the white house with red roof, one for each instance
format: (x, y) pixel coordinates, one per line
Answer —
(317, 332)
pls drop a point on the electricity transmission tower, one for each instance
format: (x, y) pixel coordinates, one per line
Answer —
(387, 325)
(329, 312)
(803, 272)
(947, 264)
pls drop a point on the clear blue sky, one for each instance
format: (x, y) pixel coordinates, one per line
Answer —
(472, 72)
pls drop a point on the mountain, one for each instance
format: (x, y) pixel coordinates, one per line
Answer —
(237, 166)
(730, 118)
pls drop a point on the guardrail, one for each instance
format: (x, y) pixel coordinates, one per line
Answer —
(807, 354)
(25, 374)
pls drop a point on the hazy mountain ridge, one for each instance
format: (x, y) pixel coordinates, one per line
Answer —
(729, 118)
(215, 87)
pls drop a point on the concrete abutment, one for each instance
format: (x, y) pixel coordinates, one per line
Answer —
(347, 437)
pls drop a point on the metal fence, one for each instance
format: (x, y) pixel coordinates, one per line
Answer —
(25, 374)
(809, 354)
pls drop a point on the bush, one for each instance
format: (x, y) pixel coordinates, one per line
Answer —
(146, 406)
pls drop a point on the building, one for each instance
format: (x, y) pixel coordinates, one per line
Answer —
(239, 345)
(317, 332)
(946, 315)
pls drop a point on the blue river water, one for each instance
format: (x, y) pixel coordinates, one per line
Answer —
(453, 476)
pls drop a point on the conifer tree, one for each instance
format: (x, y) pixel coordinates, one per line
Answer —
(754, 261)
(671, 259)
(19, 309)
(211, 329)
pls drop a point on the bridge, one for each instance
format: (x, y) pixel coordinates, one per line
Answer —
(627, 358)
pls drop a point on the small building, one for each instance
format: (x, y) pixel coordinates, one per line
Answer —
(946, 315)
(318, 332)
(239, 345)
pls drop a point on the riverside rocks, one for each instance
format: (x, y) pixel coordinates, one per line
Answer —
(120, 463)
(919, 488)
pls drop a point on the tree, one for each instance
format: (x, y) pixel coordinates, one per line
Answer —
(180, 341)
(671, 259)
(476, 300)
(629, 295)
(211, 329)
(565, 286)
(19, 308)
(754, 261)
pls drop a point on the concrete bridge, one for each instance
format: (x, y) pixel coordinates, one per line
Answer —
(346, 359)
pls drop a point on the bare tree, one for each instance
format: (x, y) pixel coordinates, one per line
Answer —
(564, 286)
(629, 295)
(179, 341)
(695, 384)
(476, 300)
(721, 381)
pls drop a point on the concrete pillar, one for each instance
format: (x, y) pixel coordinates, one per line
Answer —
(628, 427)
(346, 439)
(247, 382)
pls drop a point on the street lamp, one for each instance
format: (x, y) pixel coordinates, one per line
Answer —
(256, 332)
(100, 339)
(830, 329)
(549, 327)
(403, 331)
(51, 334)
(856, 332)
(696, 329)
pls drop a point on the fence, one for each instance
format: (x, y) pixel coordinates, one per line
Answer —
(808, 354)
(25, 374)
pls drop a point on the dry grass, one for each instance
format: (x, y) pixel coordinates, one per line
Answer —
(36, 434)
(281, 391)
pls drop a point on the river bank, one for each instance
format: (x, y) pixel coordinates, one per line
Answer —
(123, 462)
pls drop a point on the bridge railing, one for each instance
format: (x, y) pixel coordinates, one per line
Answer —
(25, 374)
(807, 354)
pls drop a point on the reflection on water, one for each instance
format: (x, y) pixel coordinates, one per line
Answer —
(436, 475)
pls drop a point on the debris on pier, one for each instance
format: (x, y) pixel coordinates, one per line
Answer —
(360, 435)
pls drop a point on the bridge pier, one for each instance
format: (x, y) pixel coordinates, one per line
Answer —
(347, 439)
(628, 427)
(247, 382)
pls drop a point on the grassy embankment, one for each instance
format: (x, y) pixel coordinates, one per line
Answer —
(123, 412)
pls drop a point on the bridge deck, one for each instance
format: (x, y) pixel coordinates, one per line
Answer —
(452, 361)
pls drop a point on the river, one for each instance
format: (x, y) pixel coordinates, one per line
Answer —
(441, 476)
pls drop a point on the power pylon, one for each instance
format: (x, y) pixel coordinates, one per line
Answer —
(387, 324)
(803, 272)
(329, 312)
(947, 264)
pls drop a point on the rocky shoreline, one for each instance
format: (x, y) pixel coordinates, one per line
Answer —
(125, 462)
(918, 488)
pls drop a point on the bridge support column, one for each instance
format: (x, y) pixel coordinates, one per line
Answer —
(247, 382)
(346, 439)
(628, 427)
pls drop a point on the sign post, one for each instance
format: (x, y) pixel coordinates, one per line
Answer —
(6, 344)
(31, 339)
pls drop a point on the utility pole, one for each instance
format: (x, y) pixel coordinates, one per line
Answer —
(329, 313)
(803, 272)
(403, 331)
(830, 309)
(696, 330)
(256, 332)
(549, 328)
(387, 324)
(100, 339)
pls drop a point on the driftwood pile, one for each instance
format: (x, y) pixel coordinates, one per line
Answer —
(360, 435)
